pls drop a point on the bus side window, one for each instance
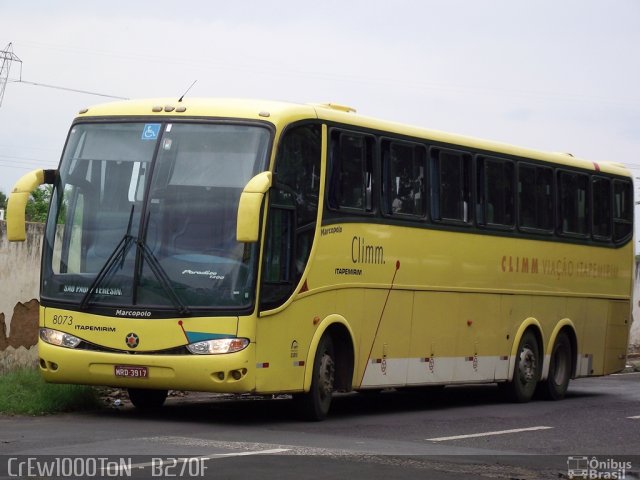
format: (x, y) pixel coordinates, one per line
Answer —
(573, 203)
(496, 192)
(403, 178)
(451, 186)
(278, 248)
(352, 171)
(622, 210)
(292, 213)
(601, 208)
(535, 198)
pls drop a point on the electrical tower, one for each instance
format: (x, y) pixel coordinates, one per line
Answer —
(7, 57)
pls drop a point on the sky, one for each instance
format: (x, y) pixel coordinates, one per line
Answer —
(555, 75)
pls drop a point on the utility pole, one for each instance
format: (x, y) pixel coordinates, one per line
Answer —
(7, 57)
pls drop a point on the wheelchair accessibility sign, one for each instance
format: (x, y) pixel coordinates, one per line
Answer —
(151, 131)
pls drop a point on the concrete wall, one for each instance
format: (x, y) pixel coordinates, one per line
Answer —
(19, 285)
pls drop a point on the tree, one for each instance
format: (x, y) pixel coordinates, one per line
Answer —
(38, 204)
(3, 200)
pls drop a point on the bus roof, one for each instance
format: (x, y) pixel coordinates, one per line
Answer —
(282, 113)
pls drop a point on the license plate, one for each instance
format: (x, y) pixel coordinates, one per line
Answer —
(131, 372)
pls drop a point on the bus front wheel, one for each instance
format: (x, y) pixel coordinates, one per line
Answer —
(527, 369)
(147, 399)
(315, 404)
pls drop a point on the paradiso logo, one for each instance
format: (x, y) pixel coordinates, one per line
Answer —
(132, 340)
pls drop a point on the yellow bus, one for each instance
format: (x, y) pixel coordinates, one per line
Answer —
(249, 246)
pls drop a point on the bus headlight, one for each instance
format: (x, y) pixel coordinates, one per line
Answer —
(215, 347)
(54, 337)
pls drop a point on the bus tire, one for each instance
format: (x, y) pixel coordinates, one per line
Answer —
(557, 382)
(315, 404)
(526, 373)
(147, 399)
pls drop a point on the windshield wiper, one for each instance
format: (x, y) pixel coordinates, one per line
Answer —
(117, 256)
(163, 278)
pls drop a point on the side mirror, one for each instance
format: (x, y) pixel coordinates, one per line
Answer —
(18, 198)
(248, 227)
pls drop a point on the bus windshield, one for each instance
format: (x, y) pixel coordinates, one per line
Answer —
(144, 215)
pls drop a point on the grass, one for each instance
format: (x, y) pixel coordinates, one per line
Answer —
(24, 392)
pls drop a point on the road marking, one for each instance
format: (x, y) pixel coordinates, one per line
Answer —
(243, 454)
(637, 417)
(487, 434)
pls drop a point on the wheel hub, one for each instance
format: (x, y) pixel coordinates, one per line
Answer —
(326, 376)
(527, 366)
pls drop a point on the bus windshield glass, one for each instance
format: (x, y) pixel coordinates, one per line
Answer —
(144, 215)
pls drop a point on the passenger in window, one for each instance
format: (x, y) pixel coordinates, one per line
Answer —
(353, 197)
(418, 188)
(405, 192)
(396, 205)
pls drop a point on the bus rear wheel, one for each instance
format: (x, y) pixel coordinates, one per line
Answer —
(527, 369)
(556, 384)
(315, 404)
(147, 399)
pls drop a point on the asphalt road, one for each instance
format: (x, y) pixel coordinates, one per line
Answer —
(459, 432)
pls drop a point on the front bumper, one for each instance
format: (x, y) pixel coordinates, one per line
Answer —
(226, 373)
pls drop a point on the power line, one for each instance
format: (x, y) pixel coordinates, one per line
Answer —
(14, 157)
(8, 57)
(23, 167)
(271, 69)
(25, 163)
(57, 87)
(37, 163)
